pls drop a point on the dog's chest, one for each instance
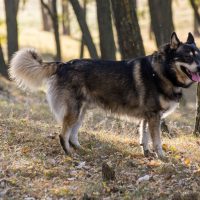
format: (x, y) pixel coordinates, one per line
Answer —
(167, 106)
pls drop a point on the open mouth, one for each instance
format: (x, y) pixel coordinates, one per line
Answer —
(194, 76)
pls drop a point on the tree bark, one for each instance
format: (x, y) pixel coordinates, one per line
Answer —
(197, 123)
(11, 24)
(107, 43)
(196, 27)
(3, 67)
(56, 29)
(84, 28)
(65, 18)
(161, 19)
(54, 17)
(46, 20)
(82, 39)
(128, 30)
(195, 9)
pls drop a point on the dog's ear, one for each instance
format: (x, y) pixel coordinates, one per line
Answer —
(190, 39)
(174, 42)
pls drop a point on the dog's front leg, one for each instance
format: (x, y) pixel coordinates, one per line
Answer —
(154, 129)
(144, 138)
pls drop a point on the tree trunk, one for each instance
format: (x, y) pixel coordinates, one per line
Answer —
(54, 17)
(82, 39)
(46, 20)
(3, 67)
(196, 16)
(128, 30)
(84, 28)
(56, 29)
(161, 19)
(195, 9)
(197, 123)
(65, 18)
(11, 23)
(107, 43)
(196, 27)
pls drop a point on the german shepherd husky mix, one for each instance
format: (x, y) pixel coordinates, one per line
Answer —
(147, 88)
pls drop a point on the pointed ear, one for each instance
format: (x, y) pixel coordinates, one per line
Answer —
(190, 39)
(174, 42)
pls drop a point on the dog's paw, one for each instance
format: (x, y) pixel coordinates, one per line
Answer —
(163, 158)
(65, 147)
(75, 145)
(148, 153)
(161, 155)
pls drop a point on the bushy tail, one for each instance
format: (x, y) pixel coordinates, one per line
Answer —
(28, 69)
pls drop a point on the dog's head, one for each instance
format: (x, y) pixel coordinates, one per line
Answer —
(184, 60)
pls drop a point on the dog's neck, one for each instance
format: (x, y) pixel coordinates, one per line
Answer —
(170, 90)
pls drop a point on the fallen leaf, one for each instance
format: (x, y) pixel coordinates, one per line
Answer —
(165, 147)
(25, 150)
(154, 163)
(187, 161)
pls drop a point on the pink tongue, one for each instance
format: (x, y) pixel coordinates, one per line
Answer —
(195, 77)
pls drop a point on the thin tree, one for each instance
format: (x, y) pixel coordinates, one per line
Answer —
(197, 121)
(54, 17)
(46, 20)
(128, 30)
(196, 27)
(195, 9)
(78, 10)
(195, 6)
(107, 43)
(11, 8)
(3, 67)
(82, 38)
(161, 20)
(66, 18)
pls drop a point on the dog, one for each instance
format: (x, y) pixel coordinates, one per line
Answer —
(147, 88)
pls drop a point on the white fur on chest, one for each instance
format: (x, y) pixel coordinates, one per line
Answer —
(168, 106)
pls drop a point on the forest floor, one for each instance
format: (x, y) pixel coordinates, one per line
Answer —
(33, 165)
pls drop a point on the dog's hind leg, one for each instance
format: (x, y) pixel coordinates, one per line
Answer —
(73, 140)
(144, 138)
(68, 123)
(154, 129)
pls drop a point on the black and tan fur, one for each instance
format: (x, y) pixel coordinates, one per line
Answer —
(146, 88)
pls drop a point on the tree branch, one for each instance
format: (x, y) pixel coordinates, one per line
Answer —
(48, 9)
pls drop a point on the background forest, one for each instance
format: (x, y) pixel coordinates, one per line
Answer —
(32, 164)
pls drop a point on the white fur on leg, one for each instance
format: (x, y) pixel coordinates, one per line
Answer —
(144, 136)
(66, 139)
(157, 145)
(74, 135)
